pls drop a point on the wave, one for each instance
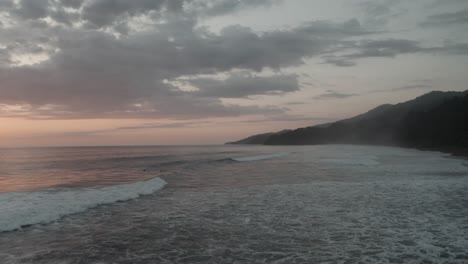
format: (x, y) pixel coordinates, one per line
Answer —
(22, 209)
(346, 161)
(261, 157)
(172, 163)
(227, 160)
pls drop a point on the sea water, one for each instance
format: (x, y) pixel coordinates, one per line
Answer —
(232, 204)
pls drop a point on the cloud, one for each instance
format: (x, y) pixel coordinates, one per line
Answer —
(32, 9)
(285, 118)
(378, 13)
(100, 13)
(105, 13)
(354, 50)
(163, 125)
(188, 124)
(447, 19)
(112, 14)
(453, 49)
(388, 48)
(240, 85)
(339, 61)
(422, 84)
(103, 132)
(416, 85)
(122, 59)
(428, 81)
(4, 56)
(76, 4)
(385, 48)
(330, 94)
(223, 7)
(296, 103)
(89, 73)
(412, 87)
(447, 3)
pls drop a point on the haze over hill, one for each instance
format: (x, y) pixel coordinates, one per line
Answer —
(436, 120)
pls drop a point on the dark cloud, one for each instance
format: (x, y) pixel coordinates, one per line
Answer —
(5, 5)
(190, 124)
(285, 118)
(420, 85)
(385, 48)
(412, 87)
(98, 14)
(446, 19)
(145, 126)
(310, 84)
(94, 74)
(102, 13)
(330, 94)
(454, 49)
(223, 7)
(62, 16)
(296, 103)
(339, 61)
(326, 29)
(4, 56)
(422, 81)
(378, 13)
(32, 9)
(447, 3)
(245, 84)
(76, 4)
(423, 84)
(240, 47)
(389, 48)
(372, 48)
(163, 125)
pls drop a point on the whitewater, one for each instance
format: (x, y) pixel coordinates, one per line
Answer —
(22, 209)
(230, 204)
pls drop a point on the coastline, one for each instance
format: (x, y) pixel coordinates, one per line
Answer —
(455, 152)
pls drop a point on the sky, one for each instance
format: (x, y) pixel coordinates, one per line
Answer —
(170, 72)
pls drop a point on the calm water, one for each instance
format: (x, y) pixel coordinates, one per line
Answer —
(233, 204)
(42, 168)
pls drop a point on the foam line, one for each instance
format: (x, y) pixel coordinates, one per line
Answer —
(27, 208)
(261, 157)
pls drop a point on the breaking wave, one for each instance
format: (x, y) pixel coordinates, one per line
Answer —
(261, 157)
(22, 209)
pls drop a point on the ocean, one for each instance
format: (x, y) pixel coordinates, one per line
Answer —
(232, 204)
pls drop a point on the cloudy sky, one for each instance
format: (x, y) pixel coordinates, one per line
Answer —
(118, 72)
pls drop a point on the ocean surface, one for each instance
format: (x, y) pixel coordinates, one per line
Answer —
(232, 204)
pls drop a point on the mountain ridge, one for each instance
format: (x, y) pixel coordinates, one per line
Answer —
(443, 115)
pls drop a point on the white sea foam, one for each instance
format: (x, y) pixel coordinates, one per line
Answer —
(262, 157)
(27, 208)
(368, 160)
(410, 208)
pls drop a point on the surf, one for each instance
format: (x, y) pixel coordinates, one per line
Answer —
(21, 209)
(261, 157)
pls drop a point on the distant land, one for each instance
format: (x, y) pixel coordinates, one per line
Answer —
(434, 121)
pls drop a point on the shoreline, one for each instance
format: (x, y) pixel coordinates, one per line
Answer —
(455, 152)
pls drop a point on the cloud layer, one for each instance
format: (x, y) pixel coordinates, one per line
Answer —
(79, 62)
(70, 59)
